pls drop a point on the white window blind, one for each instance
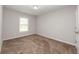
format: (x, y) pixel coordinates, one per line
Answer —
(23, 24)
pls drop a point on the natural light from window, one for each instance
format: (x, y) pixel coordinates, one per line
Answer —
(23, 24)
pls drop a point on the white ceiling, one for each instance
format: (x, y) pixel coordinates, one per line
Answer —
(29, 8)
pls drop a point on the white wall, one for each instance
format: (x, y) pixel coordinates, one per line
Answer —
(11, 24)
(0, 27)
(58, 24)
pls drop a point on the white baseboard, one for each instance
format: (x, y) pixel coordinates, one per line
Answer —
(58, 39)
(44, 36)
(16, 37)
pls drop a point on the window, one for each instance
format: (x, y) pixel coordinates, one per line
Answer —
(23, 24)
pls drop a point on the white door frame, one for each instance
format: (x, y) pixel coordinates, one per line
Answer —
(77, 28)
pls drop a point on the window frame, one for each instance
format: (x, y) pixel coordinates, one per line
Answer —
(20, 25)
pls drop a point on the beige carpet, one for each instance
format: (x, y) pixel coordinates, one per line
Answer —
(35, 44)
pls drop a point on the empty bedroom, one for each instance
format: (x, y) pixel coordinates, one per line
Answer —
(39, 29)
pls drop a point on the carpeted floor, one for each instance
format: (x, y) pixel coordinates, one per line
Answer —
(36, 44)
